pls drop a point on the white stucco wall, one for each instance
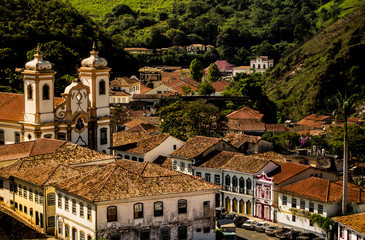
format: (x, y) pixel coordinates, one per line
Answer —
(165, 148)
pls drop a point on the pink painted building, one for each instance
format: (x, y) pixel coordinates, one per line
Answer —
(263, 197)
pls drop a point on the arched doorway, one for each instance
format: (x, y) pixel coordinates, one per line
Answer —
(74, 234)
(234, 205)
(228, 204)
(242, 206)
(248, 208)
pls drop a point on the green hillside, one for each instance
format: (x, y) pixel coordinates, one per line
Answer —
(330, 61)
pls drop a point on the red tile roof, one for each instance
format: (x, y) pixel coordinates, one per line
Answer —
(195, 146)
(246, 125)
(118, 93)
(246, 164)
(124, 137)
(355, 221)
(238, 140)
(276, 128)
(27, 149)
(219, 160)
(126, 179)
(144, 127)
(245, 113)
(220, 85)
(178, 84)
(134, 122)
(324, 190)
(12, 106)
(289, 170)
(144, 89)
(123, 82)
(224, 66)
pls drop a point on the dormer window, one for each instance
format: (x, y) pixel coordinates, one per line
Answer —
(45, 92)
(102, 87)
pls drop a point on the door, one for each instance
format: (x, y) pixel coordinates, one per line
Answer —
(36, 218)
(228, 204)
(248, 207)
(74, 234)
(41, 219)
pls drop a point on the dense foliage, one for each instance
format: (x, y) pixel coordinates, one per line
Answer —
(188, 119)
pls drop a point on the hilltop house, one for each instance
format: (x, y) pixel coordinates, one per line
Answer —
(249, 144)
(81, 116)
(261, 63)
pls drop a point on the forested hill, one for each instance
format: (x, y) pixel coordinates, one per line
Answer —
(331, 61)
(65, 36)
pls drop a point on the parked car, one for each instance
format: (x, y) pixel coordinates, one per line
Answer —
(249, 224)
(292, 234)
(229, 231)
(270, 230)
(281, 233)
(230, 216)
(239, 220)
(261, 226)
(306, 236)
(220, 212)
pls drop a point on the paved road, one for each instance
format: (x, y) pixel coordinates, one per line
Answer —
(243, 234)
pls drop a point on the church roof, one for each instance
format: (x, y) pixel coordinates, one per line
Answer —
(12, 106)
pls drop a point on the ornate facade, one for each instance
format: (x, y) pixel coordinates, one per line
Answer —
(81, 115)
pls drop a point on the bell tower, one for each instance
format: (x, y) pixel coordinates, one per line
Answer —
(38, 79)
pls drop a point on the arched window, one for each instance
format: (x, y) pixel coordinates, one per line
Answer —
(40, 198)
(30, 92)
(25, 192)
(112, 214)
(138, 210)
(103, 136)
(158, 209)
(228, 182)
(45, 92)
(248, 186)
(51, 199)
(242, 185)
(228, 203)
(102, 87)
(81, 209)
(182, 233)
(59, 201)
(234, 183)
(182, 206)
(234, 205)
(2, 137)
(82, 235)
(67, 231)
(66, 203)
(89, 212)
(20, 190)
(165, 233)
(36, 196)
(30, 194)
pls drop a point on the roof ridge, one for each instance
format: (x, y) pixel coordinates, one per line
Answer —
(106, 180)
(144, 168)
(328, 191)
(51, 173)
(82, 172)
(31, 150)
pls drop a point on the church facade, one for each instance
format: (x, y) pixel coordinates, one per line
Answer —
(81, 115)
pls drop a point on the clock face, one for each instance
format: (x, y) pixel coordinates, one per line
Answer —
(78, 96)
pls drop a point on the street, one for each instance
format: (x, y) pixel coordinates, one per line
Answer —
(251, 235)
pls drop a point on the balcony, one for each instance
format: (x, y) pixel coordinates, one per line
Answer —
(227, 188)
(234, 189)
(248, 191)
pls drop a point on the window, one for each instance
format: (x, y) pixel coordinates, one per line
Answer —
(67, 231)
(207, 177)
(293, 203)
(182, 165)
(82, 235)
(51, 199)
(103, 136)
(234, 183)
(25, 192)
(140, 159)
(217, 179)
(112, 214)
(60, 228)
(1, 183)
(138, 210)
(25, 209)
(134, 158)
(102, 87)
(62, 136)
(189, 167)
(30, 92)
(11, 186)
(165, 234)
(51, 221)
(31, 211)
(145, 235)
(20, 207)
(198, 174)
(174, 147)
(158, 209)
(126, 157)
(206, 229)
(285, 200)
(16, 205)
(206, 204)
(293, 218)
(182, 206)
(182, 233)
(89, 213)
(253, 65)
(66, 203)
(40, 198)
(36, 196)
(242, 185)
(17, 137)
(59, 201)
(174, 164)
(302, 204)
(2, 137)
(45, 92)
(320, 209)
(73, 206)
(81, 209)
(228, 182)
(311, 207)
(20, 187)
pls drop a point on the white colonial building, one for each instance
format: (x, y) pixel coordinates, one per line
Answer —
(261, 63)
(81, 116)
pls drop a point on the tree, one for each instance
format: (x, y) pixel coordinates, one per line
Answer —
(188, 119)
(186, 89)
(205, 88)
(213, 73)
(196, 70)
(345, 107)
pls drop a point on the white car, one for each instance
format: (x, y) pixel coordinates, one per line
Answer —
(249, 224)
(261, 226)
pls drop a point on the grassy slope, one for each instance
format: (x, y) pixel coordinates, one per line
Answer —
(310, 74)
(98, 8)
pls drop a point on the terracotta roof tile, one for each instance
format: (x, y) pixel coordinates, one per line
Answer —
(124, 137)
(31, 148)
(247, 164)
(238, 139)
(163, 162)
(144, 127)
(223, 65)
(144, 89)
(143, 146)
(118, 93)
(178, 84)
(126, 179)
(324, 190)
(276, 128)
(245, 113)
(134, 122)
(355, 221)
(12, 106)
(123, 82)
(289, 170)
(195, 146)
(246, 125)
(219, 160)
(220, 85)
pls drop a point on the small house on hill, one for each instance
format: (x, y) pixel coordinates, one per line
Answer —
(249, 144)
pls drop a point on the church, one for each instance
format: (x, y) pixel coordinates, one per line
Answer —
(81, 115)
